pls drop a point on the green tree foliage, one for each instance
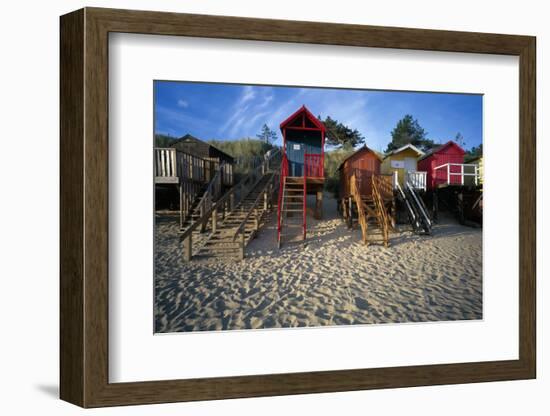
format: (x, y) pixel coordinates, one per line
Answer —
(248, 153)
(333, 159)
(339, 134)
(243, 147)
(474, 152)
(267, 135)
(408, 130)
(164, 140)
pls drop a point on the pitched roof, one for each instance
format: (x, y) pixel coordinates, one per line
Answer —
(402, 148)
(362, 149)
(308, 114)
(439, 148)
(200, 148)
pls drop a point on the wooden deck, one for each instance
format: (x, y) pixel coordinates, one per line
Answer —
(313, 184)
(174, 167)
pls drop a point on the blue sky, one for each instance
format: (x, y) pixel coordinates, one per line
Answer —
(228, 111)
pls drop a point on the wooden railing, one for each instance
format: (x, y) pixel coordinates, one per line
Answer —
(456, 173)
(225, 204)
(379, 186)
(283, 175)
(416, 179)
(356, 195)
(313, 165)
(265, 197)
(172, 163)
(211, 194)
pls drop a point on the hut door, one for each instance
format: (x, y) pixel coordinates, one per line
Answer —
(409, 165)
(295, 154)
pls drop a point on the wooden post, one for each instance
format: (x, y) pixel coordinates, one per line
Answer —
(344, 209)
(203, 224)
(435, 204)
(231, 201)
(188, 248)
(241, 240)
(350, 212)
(214, 219)
(319, 205)
(460, 207)
(180, 189)
(265, 200)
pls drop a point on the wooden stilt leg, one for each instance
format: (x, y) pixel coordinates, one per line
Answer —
(319, 205)
(241, 251)
(214, 220)
(350, 212)
(182, 216)
(188, 248)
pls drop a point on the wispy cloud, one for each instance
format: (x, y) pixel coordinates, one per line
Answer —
(248, 94)
(229, 112)
(183, 103)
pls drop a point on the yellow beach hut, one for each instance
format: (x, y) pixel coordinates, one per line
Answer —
(474, 167)
(403, 162)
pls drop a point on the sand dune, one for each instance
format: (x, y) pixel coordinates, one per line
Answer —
(331, 279)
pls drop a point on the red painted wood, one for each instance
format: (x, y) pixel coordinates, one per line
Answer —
(363, 163)
(450, 152)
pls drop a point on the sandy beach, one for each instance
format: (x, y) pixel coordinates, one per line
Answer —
(330, 279)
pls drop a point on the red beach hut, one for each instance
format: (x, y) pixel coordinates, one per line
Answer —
(444, 165)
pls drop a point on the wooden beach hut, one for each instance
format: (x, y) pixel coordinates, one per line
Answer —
(475, 165)
(364, 163)
(187, 170)
(302, 169)
(367, 194)
(444, 165)
(212, 156)
(403, 164)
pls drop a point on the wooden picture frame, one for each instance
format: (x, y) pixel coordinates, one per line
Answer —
(84, 207)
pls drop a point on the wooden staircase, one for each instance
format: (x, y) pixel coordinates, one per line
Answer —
(291, 209)
(233, 218)
(373, 217)
(222, 243)
(194, 212)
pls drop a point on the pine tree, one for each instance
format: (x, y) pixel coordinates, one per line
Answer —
(267, 135)
(408, 130)
(338, 134)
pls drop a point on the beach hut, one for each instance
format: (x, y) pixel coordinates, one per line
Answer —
(366, 191)
(475, 165)
(303, 144)
(444, 165)
(402, 163)
(364, 163)
(302, 169)
(212, 156)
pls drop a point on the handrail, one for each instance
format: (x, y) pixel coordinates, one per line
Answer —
(420, 204)
(222, 200)
(409, 207)
(208, 194)
(381, 208)
(417, 179)
(359, 202)
(269, 183)
(462, 174)
(284, 174)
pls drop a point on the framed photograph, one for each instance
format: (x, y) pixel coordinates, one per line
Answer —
(255, 207)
